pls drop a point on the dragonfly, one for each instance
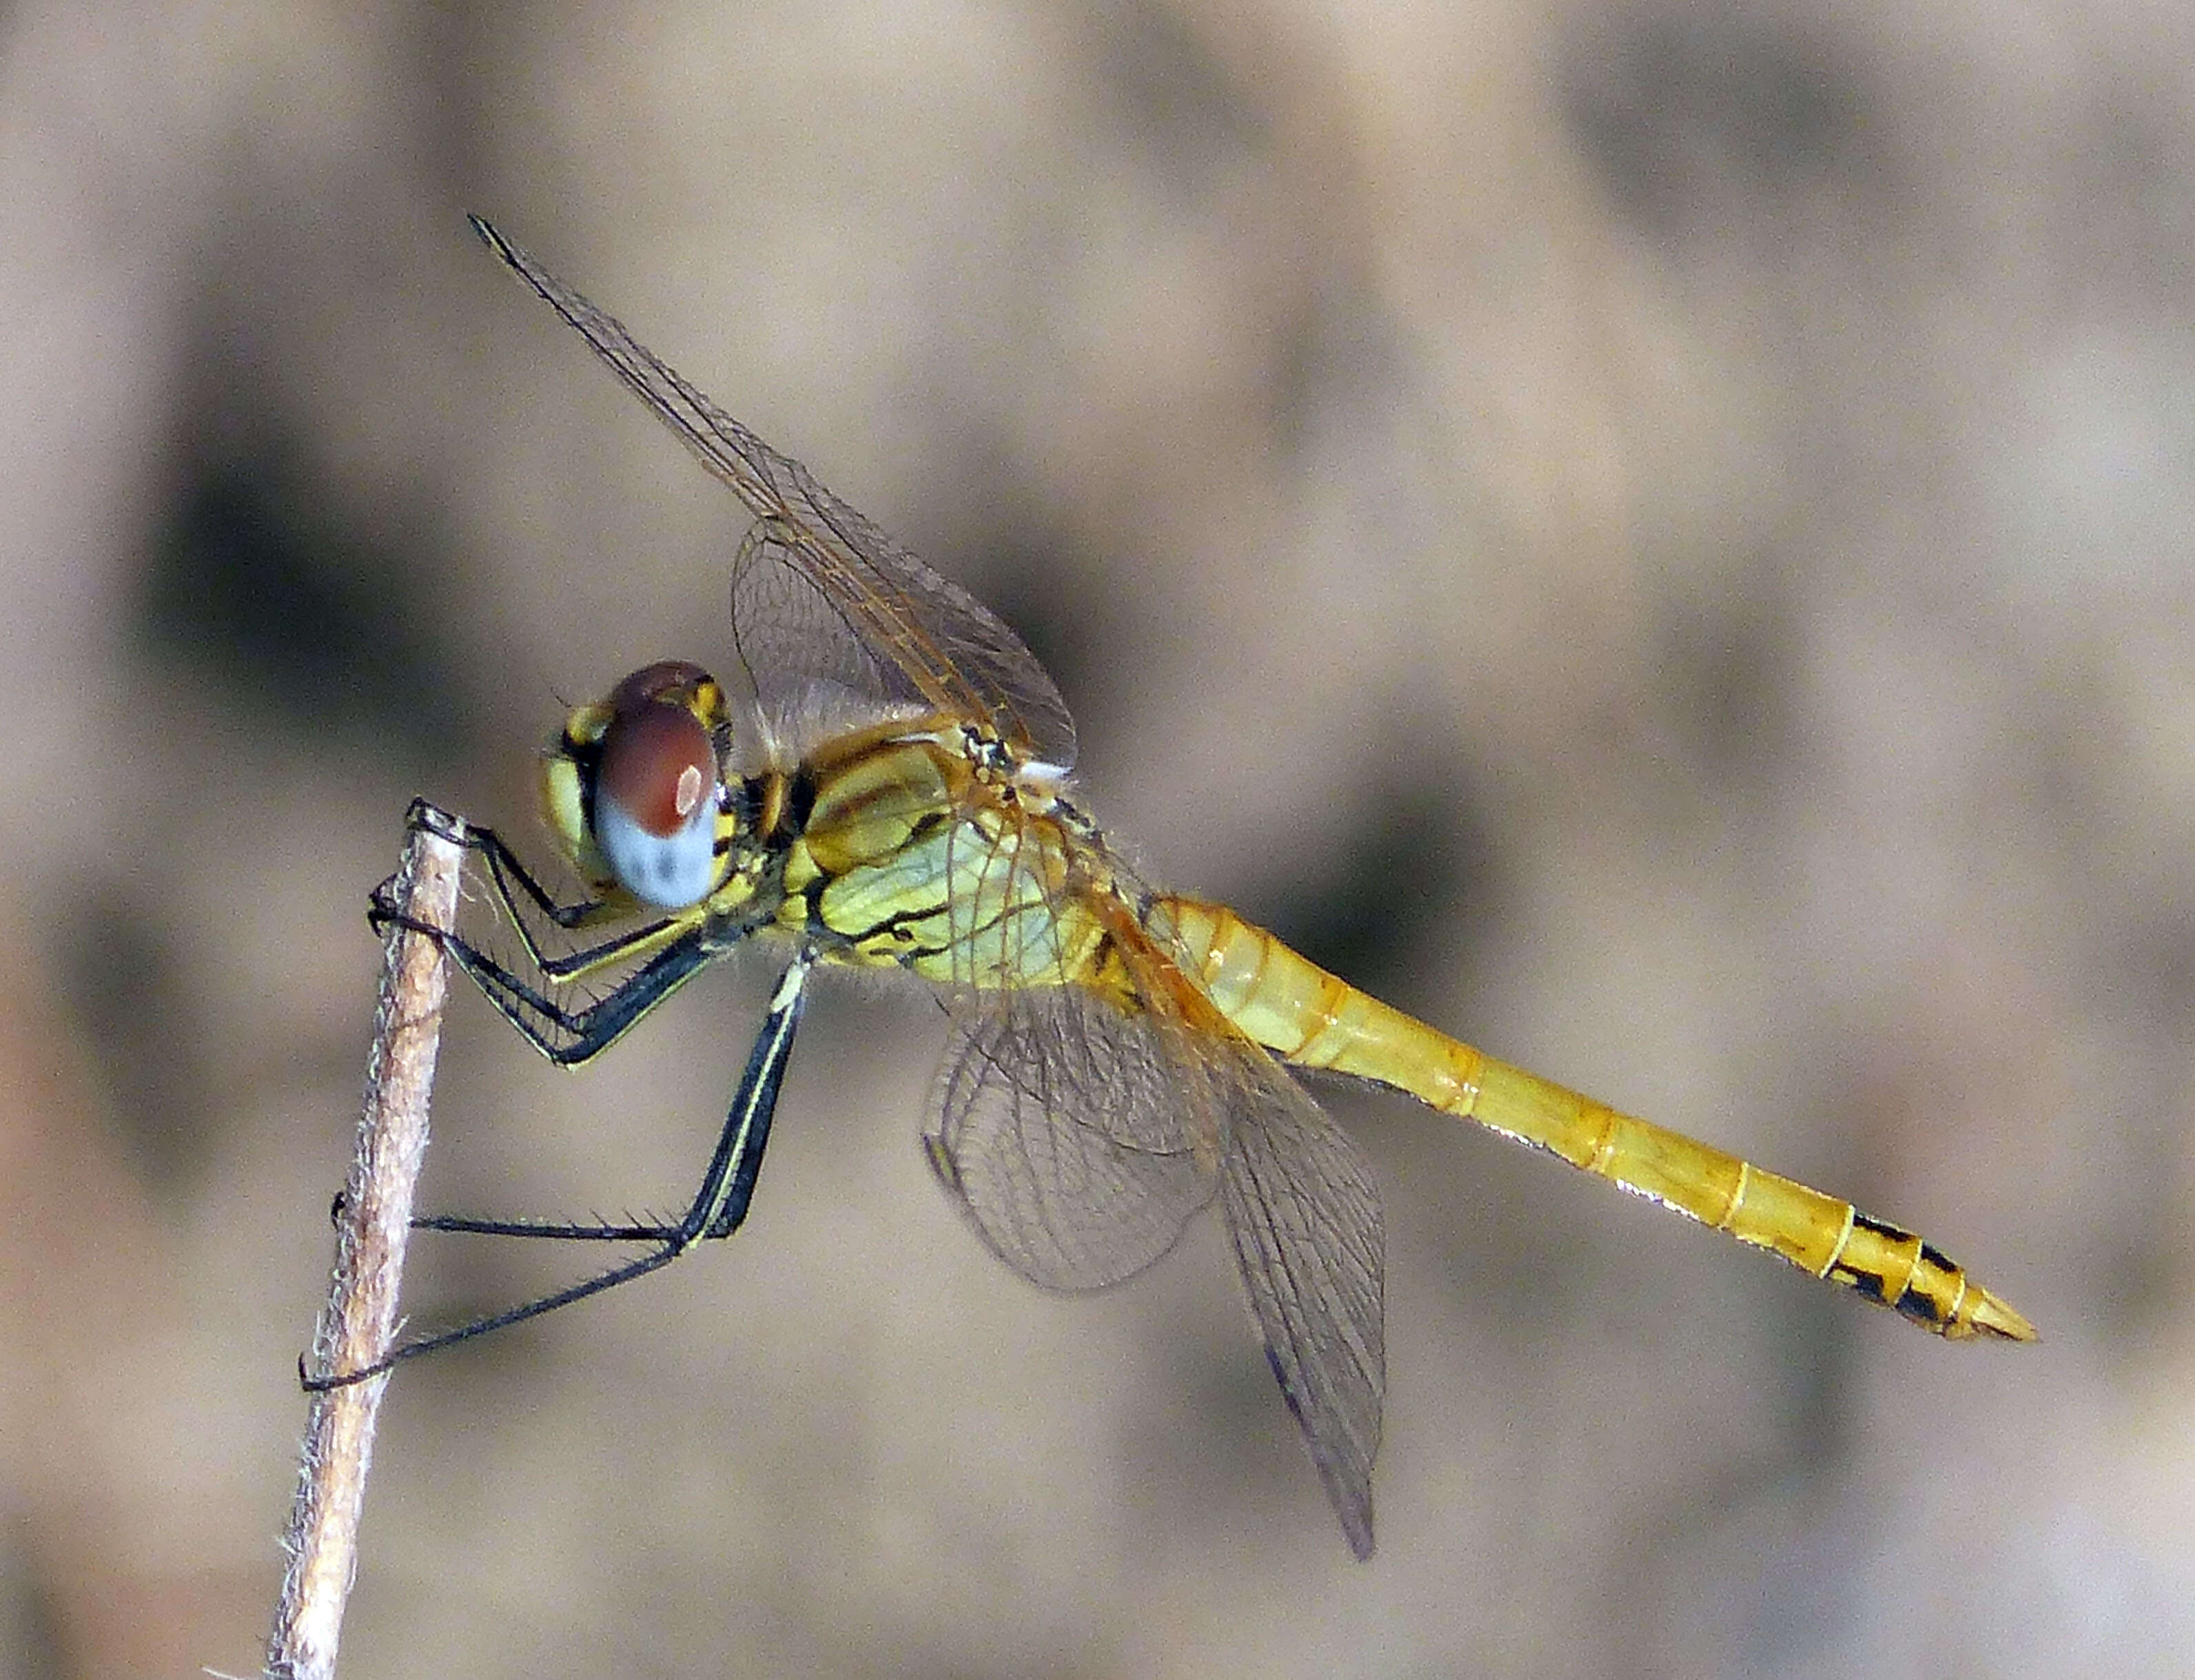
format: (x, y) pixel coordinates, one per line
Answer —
(892, 790)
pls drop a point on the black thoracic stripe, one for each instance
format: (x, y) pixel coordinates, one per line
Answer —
(743, 804)
(800, 800)
(812, 918)
(928, 824)
(896, 920)
(812, 896)
(586, 759)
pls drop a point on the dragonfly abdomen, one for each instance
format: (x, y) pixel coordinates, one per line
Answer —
(1314, 1019)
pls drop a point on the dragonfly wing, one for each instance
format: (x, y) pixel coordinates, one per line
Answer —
(1060, 1131)
(947, 647)
(806, 657)
(1310, 1241)
(1081, 1137)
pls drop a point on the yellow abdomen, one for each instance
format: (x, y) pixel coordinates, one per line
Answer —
(1310, 1019)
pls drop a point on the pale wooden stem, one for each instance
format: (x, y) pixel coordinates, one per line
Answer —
(359, 1326)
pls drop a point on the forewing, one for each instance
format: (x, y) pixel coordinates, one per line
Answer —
(799, 645)
(1061, 1129)
(945, 647)
(1303, 1215)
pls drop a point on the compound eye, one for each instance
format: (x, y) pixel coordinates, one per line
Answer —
(655, 803)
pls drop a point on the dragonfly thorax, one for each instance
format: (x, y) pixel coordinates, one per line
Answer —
(634, 786)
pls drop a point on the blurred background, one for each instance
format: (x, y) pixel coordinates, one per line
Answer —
(1649, 533)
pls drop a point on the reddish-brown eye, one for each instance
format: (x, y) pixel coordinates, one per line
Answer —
(665, 677)
(655, 796)
(657, 764)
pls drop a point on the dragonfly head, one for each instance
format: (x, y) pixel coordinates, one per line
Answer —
(634, 786)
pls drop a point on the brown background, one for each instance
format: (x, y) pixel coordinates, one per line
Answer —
(1653, 534)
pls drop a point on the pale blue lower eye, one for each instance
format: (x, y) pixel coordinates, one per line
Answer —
(669, 871)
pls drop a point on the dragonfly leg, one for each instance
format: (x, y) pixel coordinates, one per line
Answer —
(570, 1037)
(513, 877)
(718, 1208)
(425, 814)
(512, 883)
(730, 1185)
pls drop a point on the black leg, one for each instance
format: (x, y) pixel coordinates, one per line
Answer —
(738, 1161)
(570, 1037)
(718, 1208)
(674, 949)
(512, 882)
(502, 861)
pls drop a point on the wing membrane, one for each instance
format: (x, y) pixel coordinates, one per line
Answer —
(1062, 1130)
(1310, 1243)
(799, 645)
(930, 639)
(1079, 1138)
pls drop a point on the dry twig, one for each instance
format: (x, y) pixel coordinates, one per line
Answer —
(359, 1324)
